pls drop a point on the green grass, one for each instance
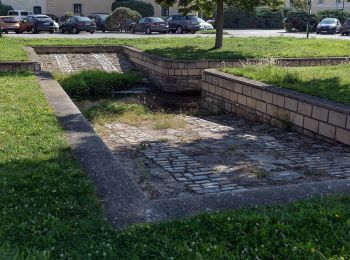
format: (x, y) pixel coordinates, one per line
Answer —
(49, 209)
(328, 82)
(132, 114)
(199, 47)
(93, 82)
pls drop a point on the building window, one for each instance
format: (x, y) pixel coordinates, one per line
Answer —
(37, 10)
(77, 9)
(164, 11)
(320, 1)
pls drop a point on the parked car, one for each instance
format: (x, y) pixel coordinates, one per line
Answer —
(21, 14)
(53, 17)
(345, 28)
(328, 25)
(100, 20)
(211, 21)
(149, 25)
(76, 24)
(204, 25)
(10, 24)
(37, 23)
(183, 23)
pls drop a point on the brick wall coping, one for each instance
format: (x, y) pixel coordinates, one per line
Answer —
(342, 108)
(112, 48)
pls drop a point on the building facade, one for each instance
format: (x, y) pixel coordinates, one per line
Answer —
(319, 5)
(85, 7)
(34, 6)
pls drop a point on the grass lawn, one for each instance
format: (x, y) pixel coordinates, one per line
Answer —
(95, 82)
(199, 47)
(132, 114)
(328, 82)
(49, 208)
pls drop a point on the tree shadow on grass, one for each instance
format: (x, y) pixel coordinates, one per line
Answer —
(194, 53)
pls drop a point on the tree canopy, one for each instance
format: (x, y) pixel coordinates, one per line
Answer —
(186, 6)
(145, 9)
(4, 9)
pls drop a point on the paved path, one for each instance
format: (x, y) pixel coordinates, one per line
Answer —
(222, 153)
(68, 63)
(230, 33)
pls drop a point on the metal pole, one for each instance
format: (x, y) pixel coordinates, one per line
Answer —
(308, 19)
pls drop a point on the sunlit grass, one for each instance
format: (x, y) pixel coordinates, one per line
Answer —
(133, 114)
(198, 47)
(328, 82)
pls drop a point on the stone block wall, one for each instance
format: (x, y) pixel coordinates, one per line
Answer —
(19, 66)
(256, 101)
(180, 76)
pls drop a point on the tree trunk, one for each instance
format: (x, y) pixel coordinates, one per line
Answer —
(219, 20)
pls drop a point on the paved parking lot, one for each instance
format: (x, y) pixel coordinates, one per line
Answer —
(230, 33)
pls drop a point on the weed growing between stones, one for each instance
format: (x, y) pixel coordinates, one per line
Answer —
(133, 114)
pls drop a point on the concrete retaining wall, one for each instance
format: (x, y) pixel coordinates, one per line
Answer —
(261, 102)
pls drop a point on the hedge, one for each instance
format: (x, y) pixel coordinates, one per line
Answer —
(145, 9)
(261, 17)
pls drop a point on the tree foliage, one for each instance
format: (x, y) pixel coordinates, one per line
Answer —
(299, 4)
(145, 9)
(120, 18)
(4, 9)
(186, 6)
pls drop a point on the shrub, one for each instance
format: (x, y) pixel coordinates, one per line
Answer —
(121, 18)
(4, 9)
(269, 18)
(332, 14)
(86, 83)
(261, 17)
(297, 20)
(144, 9)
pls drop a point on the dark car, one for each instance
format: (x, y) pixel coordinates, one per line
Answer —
(183, 23)
(345, 28)
(53, 17)
(149, 25)
(76, 24)
(100, 20)
(10, 24)
(37, 23)
(328, 25)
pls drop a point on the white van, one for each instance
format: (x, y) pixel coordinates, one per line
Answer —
(19, 13)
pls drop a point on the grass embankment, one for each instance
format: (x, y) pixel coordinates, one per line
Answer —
(49, 208)
(93, 82)
(133, 114)
(328, 82)
(199, 47)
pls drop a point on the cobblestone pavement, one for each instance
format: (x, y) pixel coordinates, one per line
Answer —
(219, 154)
(69, 63)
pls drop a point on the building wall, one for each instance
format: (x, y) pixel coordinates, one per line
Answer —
(319, 5)
(60, 7)
(27, 4)
(158, 9)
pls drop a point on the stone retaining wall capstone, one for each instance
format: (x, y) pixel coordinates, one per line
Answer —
(256, 101)
(18, 66)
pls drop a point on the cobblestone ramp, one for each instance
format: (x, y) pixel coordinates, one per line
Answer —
(69, 63)
(224, 153)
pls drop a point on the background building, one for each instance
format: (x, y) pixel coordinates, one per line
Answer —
(86, 7)
(319, 5)
(34, 6)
